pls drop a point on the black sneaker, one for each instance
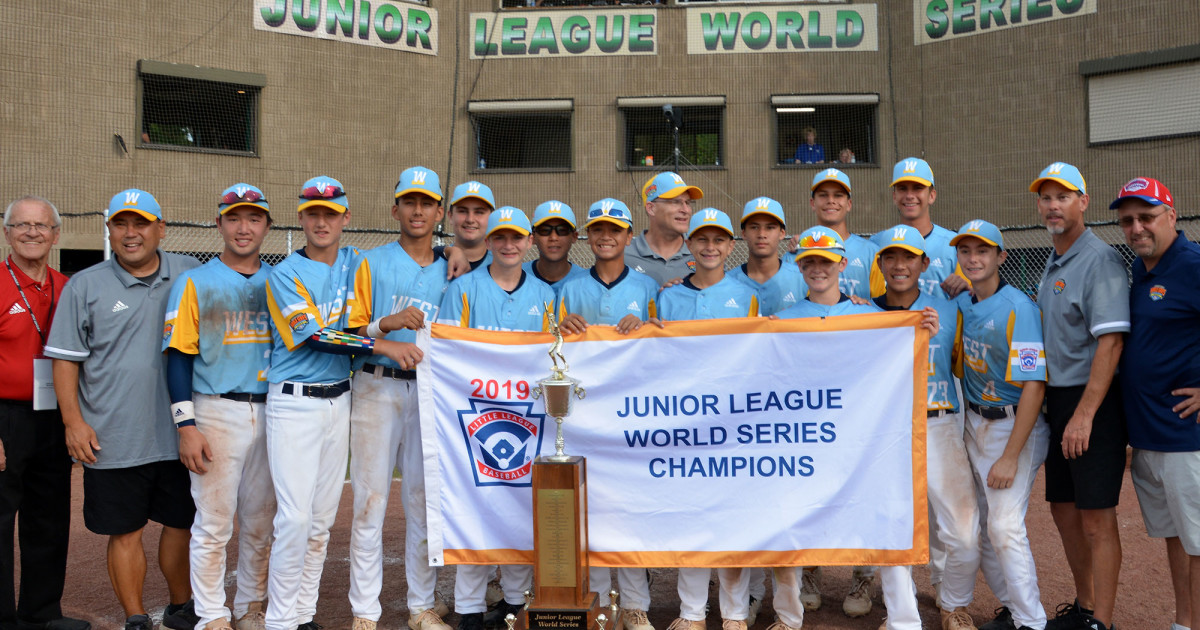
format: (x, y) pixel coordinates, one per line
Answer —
(138, 622)
(471, 621)
(181, 616)
(494, 619)
(1069, 617)
(1091, 623)
(1002, 621)
(309, 625)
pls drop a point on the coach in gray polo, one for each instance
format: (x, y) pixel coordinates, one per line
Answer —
(661, 252)
(1084, 297)
(110, 379)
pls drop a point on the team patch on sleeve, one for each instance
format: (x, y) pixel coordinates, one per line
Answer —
(1028, 357)
(167, 328)
(298, 321)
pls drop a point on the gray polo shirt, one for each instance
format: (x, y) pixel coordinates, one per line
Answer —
(1084, 294)
(641, 258)
(112, 324)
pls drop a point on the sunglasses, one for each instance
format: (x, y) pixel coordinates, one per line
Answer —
(547, 230)
(608, 212)
(326, 192)
(822, 241)
(233, 197)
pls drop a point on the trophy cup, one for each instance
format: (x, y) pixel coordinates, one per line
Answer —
(562, 599)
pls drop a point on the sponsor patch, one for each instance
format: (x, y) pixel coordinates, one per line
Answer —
(167, 330)
(1059, 285)
(1158, 292)
(1028, 359)
(298, 321)
(502, 439)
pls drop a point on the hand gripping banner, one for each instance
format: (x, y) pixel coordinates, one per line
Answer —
(718, 443)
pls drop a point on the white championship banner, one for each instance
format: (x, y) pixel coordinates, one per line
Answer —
(718, 443)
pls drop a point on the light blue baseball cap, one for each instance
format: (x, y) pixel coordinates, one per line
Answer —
(474, 189)
(137, 201)
(912, 169)
(419, 179)
(830, 175)
(553, 210)
(322, 190)
(821, 241)
(609, 210)
(509, 218)
(242, 194)
(902, 237)
(763, 205)
(1062, 173)
(709, 217)
(982, 230)
(668, 185)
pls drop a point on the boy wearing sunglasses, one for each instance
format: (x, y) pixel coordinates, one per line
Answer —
(554, 233)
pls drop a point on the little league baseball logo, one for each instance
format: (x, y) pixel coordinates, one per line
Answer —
(1059, 286)
(1028, 358)
(1158, 292)
(502, 438)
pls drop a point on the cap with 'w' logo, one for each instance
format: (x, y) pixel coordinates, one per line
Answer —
(419, 179)
(710, 217)
(509, 218)
(981, 230)
(136, 201)
(553, 210)
(474, 189)
(1062, 173)
(763, 205)
(912, 169)
(902, 237)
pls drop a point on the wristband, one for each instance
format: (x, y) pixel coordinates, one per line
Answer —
(185, 423)
(374, 330)
(183, 411)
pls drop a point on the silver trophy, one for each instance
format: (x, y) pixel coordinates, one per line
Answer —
(558, 390)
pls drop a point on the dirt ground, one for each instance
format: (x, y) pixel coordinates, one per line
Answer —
(1144, 598)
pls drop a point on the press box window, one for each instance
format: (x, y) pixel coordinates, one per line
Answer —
(655, 126)
(522, 135)
(844, 126)
(1143, 96)
(198, 109)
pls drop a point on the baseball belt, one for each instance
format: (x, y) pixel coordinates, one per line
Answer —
(388, 372)
(317, 391)
(991, 413)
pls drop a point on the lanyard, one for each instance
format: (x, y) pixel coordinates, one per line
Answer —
(29, 308)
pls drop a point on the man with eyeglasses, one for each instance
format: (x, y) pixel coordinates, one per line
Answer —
(1160, 381)
(33, 455)
(660, 252)
(554, 233)
(217, 337)
(110, 379)
(1084, 297)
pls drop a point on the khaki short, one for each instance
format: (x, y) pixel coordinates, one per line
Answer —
(1168, 491)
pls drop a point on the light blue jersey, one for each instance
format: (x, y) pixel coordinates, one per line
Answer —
(943, 260)
(808, 308)
(305, 296)
(782, 290)
(476, 301)
(727, 298)
(855, 279)
(942, 393)
(232, 340)
(589, 297)
(575, 272)
(388, 281)
(1002, 346)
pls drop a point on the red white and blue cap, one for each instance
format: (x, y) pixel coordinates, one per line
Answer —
(509, 218)
(901, 237)
(1062, 173)
(710, 217)
(474, 189)
(982, 230)
(137, 201)
(553, 210)
(912, 169)
(668, 185)
(763, 205)
(822, 242)
(611, 211)
(1147, 189)
(419, 179)
(835, 176)
(323, 190)
(242, 195)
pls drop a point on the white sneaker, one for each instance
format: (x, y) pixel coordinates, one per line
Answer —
(755, 607)
(858, 600)
(634, 619)
(810, 590)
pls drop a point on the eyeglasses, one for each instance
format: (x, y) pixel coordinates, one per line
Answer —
(325, 192)
(34, 227)
(676, 202)
(233, 197)
(1145, 219)
(561, 229)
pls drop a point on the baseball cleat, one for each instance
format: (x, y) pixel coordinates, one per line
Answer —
(958, 620)
(755, 607)
(687, 624)
(494, 618)
(634, 619)
(254, 619)
(439, 606)
(858, 600)
(309, 625)
(1069, 617)
(362, 624)
(137, 622)
(733, 624)
(494, 594)
(427, 620)
(218, 624)
(471, 621)
(1002, 621)
(810, 591)
(779, 625)
(180, 616)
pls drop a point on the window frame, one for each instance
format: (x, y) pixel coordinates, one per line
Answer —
(868, 99)
(254, 81)
(1128, 65)
(521, 107)
(645, 102)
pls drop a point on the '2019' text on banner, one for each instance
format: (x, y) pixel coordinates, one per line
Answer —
(736, 442)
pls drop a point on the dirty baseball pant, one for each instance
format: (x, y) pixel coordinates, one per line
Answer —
(236, 486)
(736, 591)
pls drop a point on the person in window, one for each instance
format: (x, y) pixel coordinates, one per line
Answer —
(810, 152)
(846, 156)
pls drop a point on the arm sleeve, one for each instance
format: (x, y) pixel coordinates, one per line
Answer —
(331, 341)
(181, 331)
(179, 375)
(1107, 296)
(68, 338)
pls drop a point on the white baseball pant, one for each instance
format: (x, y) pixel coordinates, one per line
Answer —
(900, 598)
(692, 586)
(1006, 558)
(953, 508)
(238, 483)
(385, 429)
(737, 586)
(470, 585)
(308, 441)
(634, 586)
